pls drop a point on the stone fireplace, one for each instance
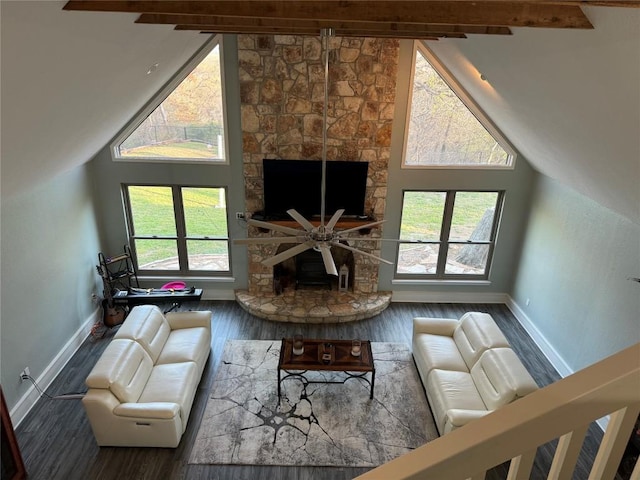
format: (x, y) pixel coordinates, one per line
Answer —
(282, 95)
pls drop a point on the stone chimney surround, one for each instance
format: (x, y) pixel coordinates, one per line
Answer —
(282, 95)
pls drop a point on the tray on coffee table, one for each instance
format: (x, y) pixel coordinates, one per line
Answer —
(312, 360)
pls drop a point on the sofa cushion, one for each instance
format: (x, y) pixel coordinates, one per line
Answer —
(435, 326)
(436, 351)
(501, 378)
(123, 368)
(146, 325)
(448, 389)
(476, 333)
(173, 383)
(186, 345)
(190, 319)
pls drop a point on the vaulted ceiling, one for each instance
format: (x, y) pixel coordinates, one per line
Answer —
(563, 76)
(400, 18)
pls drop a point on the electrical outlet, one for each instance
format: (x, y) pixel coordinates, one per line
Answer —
(24, 373)
(240, 215)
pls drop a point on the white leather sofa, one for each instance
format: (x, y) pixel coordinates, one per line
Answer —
(467, 368)
(142, 388)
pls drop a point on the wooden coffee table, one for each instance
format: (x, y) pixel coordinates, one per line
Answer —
(312, 360)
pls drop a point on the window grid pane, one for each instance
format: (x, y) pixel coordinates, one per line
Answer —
(205, 212)
(467, 259)
(422, 214)
(152, 211)
(208, 255)
(418, 258)
(157, 254)
(473, 215)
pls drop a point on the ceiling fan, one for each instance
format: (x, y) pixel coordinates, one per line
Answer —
(324, 236)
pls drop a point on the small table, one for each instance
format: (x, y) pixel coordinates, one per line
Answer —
(140, 296)
(341, 360)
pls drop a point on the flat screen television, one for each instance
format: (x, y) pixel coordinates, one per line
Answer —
(297, 184)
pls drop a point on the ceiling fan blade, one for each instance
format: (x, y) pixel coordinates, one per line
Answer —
(362, 227)
(334, 219)
(273, 226)
(329, 264)
(300, 219)
(368, 239)
(292, 252)
(347, 247)
(267, 240)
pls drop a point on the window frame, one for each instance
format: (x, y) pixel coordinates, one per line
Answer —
(181, 238)
(444, 242)
(419, 47)
(161, 96)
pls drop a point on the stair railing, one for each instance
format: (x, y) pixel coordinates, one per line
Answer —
(562, 410)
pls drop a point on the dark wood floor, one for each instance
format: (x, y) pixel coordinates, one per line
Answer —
(56, 440)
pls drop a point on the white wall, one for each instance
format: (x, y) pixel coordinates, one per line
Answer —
(49, 250)
(575, 268)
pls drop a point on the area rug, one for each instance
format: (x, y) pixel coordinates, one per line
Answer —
(313, 424)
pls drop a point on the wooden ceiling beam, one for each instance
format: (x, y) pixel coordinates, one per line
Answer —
(239, 29)
(346, 34)
(605, 3)
(209, 23)
(457, 12)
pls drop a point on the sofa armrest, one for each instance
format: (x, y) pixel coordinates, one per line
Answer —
(435, 326)
(178, 320)
(159, 410)
(100, 400)
(459, 417)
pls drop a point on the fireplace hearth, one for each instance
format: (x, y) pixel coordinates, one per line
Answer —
(314, 305)
(312, 301)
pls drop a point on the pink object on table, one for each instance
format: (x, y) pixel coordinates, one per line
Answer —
(174, 286)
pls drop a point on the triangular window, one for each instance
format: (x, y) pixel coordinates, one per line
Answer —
(185, 123)
(445, 128)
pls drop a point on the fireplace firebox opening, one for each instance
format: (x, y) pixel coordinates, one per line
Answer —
(306, 270)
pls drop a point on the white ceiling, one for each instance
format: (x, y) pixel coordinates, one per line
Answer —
(568, 100)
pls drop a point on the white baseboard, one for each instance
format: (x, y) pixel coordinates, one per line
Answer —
(540, 340)
(547, 349)
(29, 399)
(448, 297)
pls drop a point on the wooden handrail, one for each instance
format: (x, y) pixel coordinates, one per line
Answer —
(562, 409)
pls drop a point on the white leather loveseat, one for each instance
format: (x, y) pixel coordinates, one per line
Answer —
(142, 388)
(467, 368)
